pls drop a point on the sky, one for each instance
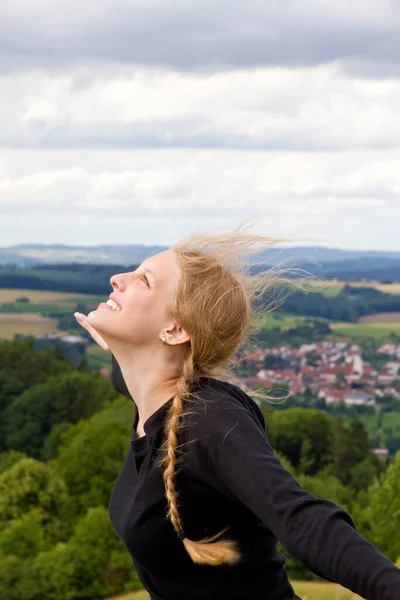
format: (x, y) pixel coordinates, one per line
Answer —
(143, 121)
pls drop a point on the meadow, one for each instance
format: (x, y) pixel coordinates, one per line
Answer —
(332, 288)
(307, 590)
(379, 330)
(389, 419)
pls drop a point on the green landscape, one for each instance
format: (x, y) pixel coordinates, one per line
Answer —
(56, 411)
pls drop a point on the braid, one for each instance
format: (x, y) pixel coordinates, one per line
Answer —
(208, 551)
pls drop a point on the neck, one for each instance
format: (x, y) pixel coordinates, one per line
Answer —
(149, 377)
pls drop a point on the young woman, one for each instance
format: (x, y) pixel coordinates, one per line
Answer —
(202, 499)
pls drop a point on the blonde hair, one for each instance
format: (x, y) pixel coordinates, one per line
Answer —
(220, 304)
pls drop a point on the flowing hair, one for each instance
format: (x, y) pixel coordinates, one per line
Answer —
(220, 302)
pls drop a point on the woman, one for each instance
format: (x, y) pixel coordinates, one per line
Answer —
(201, 499)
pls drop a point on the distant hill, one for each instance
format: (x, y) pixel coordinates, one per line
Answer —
(25, 255)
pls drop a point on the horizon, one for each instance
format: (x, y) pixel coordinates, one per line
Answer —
(116, 245)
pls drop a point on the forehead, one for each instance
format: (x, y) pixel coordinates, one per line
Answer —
(163, 266)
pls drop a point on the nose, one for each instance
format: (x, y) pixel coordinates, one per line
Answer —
(117, 281)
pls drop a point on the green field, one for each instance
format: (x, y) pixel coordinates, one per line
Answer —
(283, 320)
(379, 331)
(389, 419)
(331, 288)
(305, 589)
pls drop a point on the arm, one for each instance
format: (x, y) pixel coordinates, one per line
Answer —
(117, 378)
(318, 532)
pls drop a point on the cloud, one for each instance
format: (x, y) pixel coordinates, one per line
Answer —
(141, 121)
(134, 195)
(201, 35)
(287, 109)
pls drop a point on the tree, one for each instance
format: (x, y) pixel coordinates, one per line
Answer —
(29, 535)
(49, 450)
(93, 564)
(28, 365)
(11, 569)
(29, 484)
(89, 460)
(28, 420)
(304, 437)
(350, 447)
(384, 510)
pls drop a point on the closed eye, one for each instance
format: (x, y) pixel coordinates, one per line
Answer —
(144, 278)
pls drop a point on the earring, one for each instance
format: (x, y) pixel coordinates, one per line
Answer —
(163, 340)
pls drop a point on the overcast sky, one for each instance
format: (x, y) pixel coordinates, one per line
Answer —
(141, 121)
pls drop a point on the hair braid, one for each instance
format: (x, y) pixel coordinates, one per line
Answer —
(222, 301)
(207, 551)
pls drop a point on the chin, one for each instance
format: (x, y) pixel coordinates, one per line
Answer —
(96, 319)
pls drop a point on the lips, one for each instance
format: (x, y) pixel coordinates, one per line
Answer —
(112, 297)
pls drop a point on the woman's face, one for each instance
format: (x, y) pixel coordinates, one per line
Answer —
(144, 296)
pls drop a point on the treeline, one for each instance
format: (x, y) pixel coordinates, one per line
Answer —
(304, 333)
(70, 277)
(349, 305)
(386, 270)
(64, 436)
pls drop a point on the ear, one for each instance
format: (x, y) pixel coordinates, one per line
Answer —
(175, 334)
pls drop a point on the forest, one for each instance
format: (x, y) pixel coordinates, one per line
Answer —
(64, 432)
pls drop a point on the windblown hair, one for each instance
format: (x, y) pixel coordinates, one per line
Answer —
(221, 304)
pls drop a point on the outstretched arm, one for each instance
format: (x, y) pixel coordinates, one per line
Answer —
(321, 534)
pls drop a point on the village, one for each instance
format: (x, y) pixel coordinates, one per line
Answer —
(333, 371)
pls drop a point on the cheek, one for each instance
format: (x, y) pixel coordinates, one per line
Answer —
(143, 307)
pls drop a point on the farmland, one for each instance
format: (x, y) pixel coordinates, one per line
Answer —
(35, 317)
(28, 324)
(47, 297)
(39, 315)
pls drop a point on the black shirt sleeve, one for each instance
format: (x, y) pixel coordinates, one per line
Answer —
(117, 378)
(241, 464)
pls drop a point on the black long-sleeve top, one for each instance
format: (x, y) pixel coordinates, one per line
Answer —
(230, 477)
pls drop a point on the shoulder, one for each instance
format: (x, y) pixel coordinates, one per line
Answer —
(218, 406)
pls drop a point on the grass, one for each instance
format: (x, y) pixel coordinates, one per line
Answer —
(389, 419)
(379, 331)
(307, 590)
(285, 321)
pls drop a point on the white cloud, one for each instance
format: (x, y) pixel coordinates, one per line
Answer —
(263, 108)
(161, 195)
(138, 122)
